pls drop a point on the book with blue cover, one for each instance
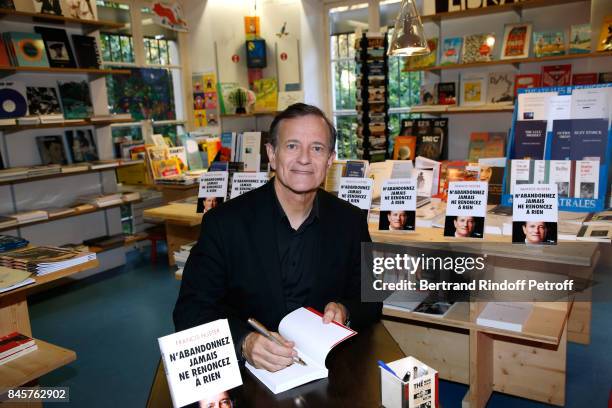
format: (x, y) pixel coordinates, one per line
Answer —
(560, 143)
(27, 49)
(548, 43)
(589, 139)
(530, 137)
(9, 243)
(451, 50)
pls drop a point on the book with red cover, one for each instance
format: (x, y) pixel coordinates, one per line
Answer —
(557, 75)
(526, 81)
(14, 342)
(5, 61)
(584, 79)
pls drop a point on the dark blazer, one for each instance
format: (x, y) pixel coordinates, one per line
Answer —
(233, 271)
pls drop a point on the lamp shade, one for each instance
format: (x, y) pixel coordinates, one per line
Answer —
(408, 37)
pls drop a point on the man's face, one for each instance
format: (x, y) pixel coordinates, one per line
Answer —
(303, 153)
(210, 202)
(217, 401)
(464, 226)
(397, 219)
(535, 232)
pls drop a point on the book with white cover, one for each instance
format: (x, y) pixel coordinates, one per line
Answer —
(505, 315)
(561, 174)
(313, 341)
(587, 179)
(251, 142)
(520, 173)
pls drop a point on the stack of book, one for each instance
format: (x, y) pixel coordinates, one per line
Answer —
(13, 173)
(44, 170)
(15, 345)
(180, 257)
(597, 227)
(12, 279)
(44, 259)
(29, 216)
(10, 243)
(101, 200)
(6, 222)
(105, 242)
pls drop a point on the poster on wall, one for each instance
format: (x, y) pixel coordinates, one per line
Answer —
(205, 99)
(169, 16)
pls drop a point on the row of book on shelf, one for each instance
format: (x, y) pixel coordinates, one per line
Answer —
(20, 173)
(48, 47)
(85, 203)
(33, 105)
(518, 40)
(501, 88)
(79, 9)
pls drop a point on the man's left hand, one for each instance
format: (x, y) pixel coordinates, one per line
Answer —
(336, 312)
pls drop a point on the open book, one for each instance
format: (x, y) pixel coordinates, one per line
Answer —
(313, 341)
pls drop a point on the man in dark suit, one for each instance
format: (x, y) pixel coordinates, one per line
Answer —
(284, 245)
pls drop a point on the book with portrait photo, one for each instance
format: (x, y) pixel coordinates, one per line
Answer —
(52, 150)
(586, 183)
(463, 226)
(397, 220)
(43, 101)
(57, 46)
(534, 232)
(81, 145)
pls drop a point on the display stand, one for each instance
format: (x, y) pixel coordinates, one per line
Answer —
(565, 204)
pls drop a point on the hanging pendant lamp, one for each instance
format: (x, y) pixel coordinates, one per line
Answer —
(408, 37)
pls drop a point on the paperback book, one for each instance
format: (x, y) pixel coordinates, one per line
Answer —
(517, 39)
(548, 43)
(580, 39)
(523, 81)
(398, 204)
(81, 145)
(51, 149)
(86, 50)
(43, 101)
(585, 79)
(451, 51)
(478, 48)
(535, 214)
(76, 99)
(605, 35)
(500, 88)
(473, 89)
(13, 102)
(447, 93)
(557, 75)
(57, 46)
(26, 49)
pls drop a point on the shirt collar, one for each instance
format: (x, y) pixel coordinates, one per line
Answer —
(280, 213)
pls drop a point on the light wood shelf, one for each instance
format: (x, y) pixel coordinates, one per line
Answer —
(451, 110)
(85, 122)
(87, 25)
(6, 71)
(60, 175)
(33, 365)
(517, 7)
(249, 115)
(61, 217)
(511, 61)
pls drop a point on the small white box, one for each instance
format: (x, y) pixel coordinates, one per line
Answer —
(420, 391)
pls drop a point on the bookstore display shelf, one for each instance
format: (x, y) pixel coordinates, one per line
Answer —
(6, 71)
(249, 115)
(59, 175)
(88, 25)
(511, 61)
(61, 217)
(33, 365)
(460, 109)
(517, 7)
(85, 122)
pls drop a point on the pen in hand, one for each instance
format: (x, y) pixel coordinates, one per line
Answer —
(261, 329)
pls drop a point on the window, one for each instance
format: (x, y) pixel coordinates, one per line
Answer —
(116, 46)
(403, 86)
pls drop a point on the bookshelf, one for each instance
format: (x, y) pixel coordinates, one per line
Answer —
(61, 217)
(86, 122)
(515, 62)
(14, 317)
(58, 175)
(458, 109)
(249, 115)
(68, 22)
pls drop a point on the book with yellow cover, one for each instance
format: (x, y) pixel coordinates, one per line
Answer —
(266, 94)
(605, 36)
(160, 163)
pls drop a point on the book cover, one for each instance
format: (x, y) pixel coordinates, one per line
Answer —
(76, 99)
(505, 315)
(529, 139)
(13, 102)
(580, 39)
(266, 94)
(355, 168)
(587, 179)
(589, 139)
(495, 146)
(447, 93)
(478, 48)
(81, 145)
(226, 89)
(398, 203)
(404, 147)
(494, 176)
(526, 81)
(5, 60)
(477, 144)
(561, 173)
(43, 101)
(451, 50)
(500, 88)
(57, 46)
(81, 9)
(535, 214)
(585, 79)
(160, 163)
(256, 53)
(86, 50)
(48, 7)
(13, 342)
(548, 43)
(560, 139)
(51, 149)
(424, 61)
(466, 209)
(251, 27)
(427, 94)
(180, 155)
(605, 78)
(595, 233)
(605, 35)
(431, 134)
(7, 4)
(517, 39)
(28, 48)
(473, 89)
(557, 75)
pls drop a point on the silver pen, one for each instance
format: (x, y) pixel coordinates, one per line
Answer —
(261, 329)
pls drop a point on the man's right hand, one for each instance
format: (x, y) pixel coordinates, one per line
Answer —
(263, 353)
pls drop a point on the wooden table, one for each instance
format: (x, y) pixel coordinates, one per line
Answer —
(174, 192)
(14, 317)
(354, 378)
